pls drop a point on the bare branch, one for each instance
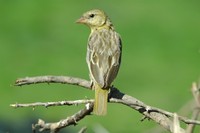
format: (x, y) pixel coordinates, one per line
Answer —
(149, 112)
(53, 79)
(71, 120)
(158, 115)
(48, 104)
(196, 111)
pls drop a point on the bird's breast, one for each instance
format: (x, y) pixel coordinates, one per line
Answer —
(104, 41)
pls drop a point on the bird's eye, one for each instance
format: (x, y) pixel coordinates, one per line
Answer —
(91, 15)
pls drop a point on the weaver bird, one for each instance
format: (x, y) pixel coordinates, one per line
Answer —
(103, 55)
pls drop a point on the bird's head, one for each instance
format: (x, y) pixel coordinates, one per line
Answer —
(94, 18)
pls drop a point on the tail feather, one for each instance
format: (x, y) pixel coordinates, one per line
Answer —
(101, 98)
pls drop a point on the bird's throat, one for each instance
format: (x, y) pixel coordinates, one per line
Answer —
(100, 28)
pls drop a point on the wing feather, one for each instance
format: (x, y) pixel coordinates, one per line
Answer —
(104, 56)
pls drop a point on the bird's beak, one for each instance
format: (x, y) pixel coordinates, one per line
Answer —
(81, 20)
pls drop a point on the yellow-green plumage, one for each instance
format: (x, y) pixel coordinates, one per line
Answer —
(103, 56)
(101, 99)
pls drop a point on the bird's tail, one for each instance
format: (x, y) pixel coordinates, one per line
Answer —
(100, 102)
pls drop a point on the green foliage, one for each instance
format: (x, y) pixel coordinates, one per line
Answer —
(161, 57)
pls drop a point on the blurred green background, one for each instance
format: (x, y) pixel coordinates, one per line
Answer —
(161, 58)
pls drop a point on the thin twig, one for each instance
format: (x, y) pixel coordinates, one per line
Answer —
(176, 124)
(49, 104)
(83, 130)
(71, 120)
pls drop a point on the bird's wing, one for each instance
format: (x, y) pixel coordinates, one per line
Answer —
(103, 57)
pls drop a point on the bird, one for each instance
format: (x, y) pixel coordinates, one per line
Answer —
(103, 57)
